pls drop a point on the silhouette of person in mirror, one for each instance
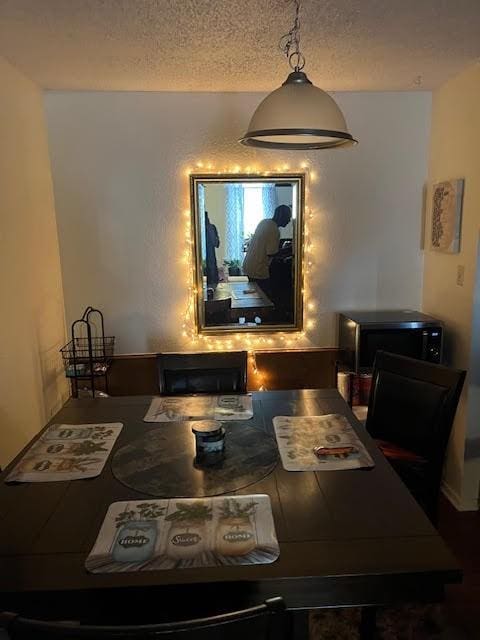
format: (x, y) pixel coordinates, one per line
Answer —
(263, 246)
(212, 242)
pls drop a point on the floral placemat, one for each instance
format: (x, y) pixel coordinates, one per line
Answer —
(67, 452)
(181, 408)
(298, 436)
(179, 533)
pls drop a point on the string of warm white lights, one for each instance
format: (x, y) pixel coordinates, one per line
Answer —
(259, 375)
(250, 342)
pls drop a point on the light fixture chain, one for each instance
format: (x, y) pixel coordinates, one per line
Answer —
(290, 42)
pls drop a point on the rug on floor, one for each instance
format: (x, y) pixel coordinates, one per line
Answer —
(409, 622)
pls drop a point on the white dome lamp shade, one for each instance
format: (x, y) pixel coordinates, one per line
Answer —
(298, 115)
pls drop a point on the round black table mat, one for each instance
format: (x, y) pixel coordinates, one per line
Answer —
(161, 461)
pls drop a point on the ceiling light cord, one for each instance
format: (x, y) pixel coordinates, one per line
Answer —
(290, 42)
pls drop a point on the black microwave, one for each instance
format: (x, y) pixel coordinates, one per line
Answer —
(408, 333)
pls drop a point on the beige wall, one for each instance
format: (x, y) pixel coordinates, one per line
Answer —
(118, 165)
(454, 153)
(31, 300)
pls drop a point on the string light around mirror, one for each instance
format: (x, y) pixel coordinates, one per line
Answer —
(247, 341)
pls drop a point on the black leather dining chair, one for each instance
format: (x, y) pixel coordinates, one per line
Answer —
(218, 312)
(410, 414)
(267, 621)
(202, 372)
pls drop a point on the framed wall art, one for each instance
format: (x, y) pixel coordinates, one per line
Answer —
(447, 215)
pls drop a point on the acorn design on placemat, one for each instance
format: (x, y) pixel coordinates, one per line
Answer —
(34, 463)
(137, 532)
(74, 464)
(188, 532)
(235, 535)
(65, 432)
(102, 433)
(86, 447)
(63, 465)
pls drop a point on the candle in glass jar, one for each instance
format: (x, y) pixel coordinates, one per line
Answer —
(209, 441)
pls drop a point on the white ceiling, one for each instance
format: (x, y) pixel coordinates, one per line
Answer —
(231, 45)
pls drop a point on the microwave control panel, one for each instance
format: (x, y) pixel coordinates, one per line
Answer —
(433, 345)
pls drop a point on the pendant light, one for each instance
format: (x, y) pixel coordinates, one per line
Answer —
(298, 115)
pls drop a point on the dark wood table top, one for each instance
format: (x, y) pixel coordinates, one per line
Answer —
(346, 537)
(241, 300)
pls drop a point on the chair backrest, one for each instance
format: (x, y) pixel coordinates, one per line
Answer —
(413, 403)
(218, 311)
(202, 372)
(263, 622)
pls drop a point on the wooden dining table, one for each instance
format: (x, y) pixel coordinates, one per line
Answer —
(347, 538)
(248, 299)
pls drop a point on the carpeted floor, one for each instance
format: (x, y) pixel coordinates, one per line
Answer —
(417, 622)
(458, 618)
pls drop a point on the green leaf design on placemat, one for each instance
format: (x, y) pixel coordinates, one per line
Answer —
(142, 511)
(197, 512)
(232, 508)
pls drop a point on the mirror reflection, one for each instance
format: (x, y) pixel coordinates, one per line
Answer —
(247, 247)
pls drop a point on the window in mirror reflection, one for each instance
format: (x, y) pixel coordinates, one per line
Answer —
(247, 235)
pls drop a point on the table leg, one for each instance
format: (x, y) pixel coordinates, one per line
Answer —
(368, 623)
(300, 624)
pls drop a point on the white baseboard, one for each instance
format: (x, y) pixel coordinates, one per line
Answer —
(456, 499)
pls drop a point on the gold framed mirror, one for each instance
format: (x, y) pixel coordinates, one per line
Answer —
(248, 251)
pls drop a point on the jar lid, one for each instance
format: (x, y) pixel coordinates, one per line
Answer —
(206, 427)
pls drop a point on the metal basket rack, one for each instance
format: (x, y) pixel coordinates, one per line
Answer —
(88, 357)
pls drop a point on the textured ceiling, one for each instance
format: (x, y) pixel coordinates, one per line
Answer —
(231, 45)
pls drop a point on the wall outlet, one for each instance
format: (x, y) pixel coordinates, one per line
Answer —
(460, 274)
